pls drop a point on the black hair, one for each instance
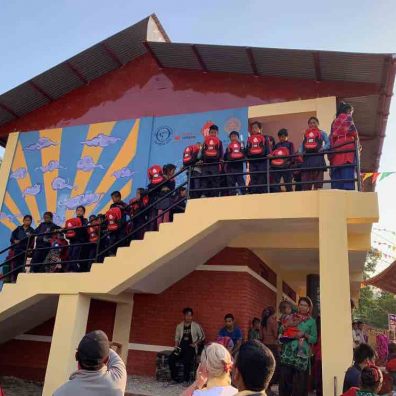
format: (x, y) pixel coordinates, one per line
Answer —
(116, 194)
(283, 304)
(256, 365)
(344, 108)
(92, 217)
(140, 190)
(371, 378)
(234, 133)
(307, 300)
(362, 353)
(255, 320)
(391, 348)
(81, 207)
(168, 167)
(229, 316)
(182, 189)
(283, 132)
(214, 127)
(28, 217)
(258, 123)
(313, 118)
(269, 311)
(188, 310)
(87, 365)
(50, 214)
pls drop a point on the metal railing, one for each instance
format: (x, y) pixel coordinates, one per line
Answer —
(147, 217)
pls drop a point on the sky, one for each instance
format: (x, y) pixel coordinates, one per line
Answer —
(36, 35)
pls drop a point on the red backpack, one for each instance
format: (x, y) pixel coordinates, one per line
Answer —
(190, 155)
(155, 174)
(93, 231)
(211, 148)
(256, 145)
(113, 217)
(70, 226)
(313, 140)
(280, 152)
(235, 151)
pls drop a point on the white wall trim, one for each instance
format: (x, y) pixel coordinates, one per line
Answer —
(148, 348)
(33, 337)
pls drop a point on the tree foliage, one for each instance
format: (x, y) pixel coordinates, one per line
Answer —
(374, 304)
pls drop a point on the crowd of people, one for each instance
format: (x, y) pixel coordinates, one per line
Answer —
(212, 170)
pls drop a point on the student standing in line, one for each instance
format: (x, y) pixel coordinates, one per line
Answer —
(116, 221)
(343, 137)
(191, 158)
(258, 146)
(212, 153)
(76, 251)
(282, 165)
(234, 155)
(19, 238)
(315, 141)
(43, 242)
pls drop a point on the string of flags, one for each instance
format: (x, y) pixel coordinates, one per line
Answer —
(385, 230)
(376, 176)
(385, 244)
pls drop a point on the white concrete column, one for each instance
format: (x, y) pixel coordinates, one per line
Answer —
(70, 327)
(336, 323)
(122, 327)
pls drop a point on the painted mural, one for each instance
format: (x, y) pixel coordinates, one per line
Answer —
(59, 169)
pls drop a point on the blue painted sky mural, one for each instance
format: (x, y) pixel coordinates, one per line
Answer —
(58, 169)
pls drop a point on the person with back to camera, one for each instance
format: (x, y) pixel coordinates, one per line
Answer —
(254, 367)
(370, 383)
(363, 356)
(213, 374)
(101, 372)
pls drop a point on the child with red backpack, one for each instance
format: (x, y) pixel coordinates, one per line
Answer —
(139, 218)
(315, 141)
(191, 157)
(212, 153)
(116, 221)
(257, 148)
(77, 235)
(157, 180)
(234, 155)
(280, 164)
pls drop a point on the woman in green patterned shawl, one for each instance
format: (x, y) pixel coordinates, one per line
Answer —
(296, 353)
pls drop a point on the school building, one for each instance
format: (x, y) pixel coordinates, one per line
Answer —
(94, 124)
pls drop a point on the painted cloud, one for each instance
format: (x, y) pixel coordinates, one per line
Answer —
(123, 172)
(59, 183)
(87, 164)
(32, 190)
(82, 199)
(51, 166)
(101, 140)
(19, 173)
(41, 144)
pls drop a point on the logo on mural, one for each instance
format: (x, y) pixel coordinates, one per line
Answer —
(32, 190)
(163, 135)
(87, 164)
(101, 140)
(19, 173)
(82, 199)
(59, 183)
(233, 124)
(185, 136)
(205, 128)
(41, 143)
(51, 166)
(123, 172)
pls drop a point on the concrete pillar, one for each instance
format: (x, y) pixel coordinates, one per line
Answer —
(336, 323)
(70, 326)
(279, 290)
(122, 327)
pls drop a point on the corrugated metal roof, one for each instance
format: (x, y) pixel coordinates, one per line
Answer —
(82, 68)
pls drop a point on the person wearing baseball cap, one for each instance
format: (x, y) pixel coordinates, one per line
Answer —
(101, 372)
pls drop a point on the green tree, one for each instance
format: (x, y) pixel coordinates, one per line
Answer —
(374, 304)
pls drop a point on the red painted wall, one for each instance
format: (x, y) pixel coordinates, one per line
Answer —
(140, 88)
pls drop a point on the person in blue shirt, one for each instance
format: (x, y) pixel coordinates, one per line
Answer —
(232, 331)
